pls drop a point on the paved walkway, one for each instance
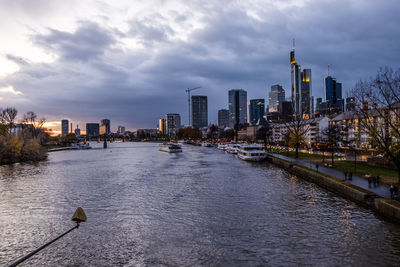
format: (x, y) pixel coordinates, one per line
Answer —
(380, 190)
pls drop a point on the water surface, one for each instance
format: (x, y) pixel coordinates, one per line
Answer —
(200, 207)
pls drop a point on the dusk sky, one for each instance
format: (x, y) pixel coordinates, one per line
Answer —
(131, 61)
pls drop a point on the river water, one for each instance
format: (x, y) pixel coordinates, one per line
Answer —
(200, 207)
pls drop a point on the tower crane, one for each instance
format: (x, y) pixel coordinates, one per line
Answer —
(188, 91)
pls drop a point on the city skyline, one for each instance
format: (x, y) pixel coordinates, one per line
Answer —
(102, 60)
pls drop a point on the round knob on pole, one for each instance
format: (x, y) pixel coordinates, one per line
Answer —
(79, 215)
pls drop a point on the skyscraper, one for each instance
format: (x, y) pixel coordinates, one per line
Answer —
(257, 111)
(173, 123)
(276, 95)
(295, 83)
(333, 95)
(162, 127)
(237, 101)
(105, 127)
(121, 129)
(77, 131)
(92, 129)
(199, 111)
(223, 118)
(64, 127)
(306, 91)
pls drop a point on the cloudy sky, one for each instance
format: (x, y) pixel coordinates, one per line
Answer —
(131, 61)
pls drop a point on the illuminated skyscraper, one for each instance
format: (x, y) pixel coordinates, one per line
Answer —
(276, 95)
(105, 127)
(295, 82)
(162, 127)
(257, 111)
(306, 92)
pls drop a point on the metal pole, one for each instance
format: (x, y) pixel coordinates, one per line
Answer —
(189, 104)
(42, 247)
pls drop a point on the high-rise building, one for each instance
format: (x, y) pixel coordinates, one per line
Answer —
(257, 111)
(333, 95)
(237, 107)
(121, 129)
(64, 127)
(199, 111)
(162, 126)
(92, 129)
(223, 118)
(295, 84)
(334, 104)
(105, 127)
(77, 131)
(276, 95)
(173, 123)
(350, 103)
(306, 92)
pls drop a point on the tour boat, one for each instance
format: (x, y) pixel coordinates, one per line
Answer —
(232, 148)
(222, 146)
(206, 144)
(79, 146)
(171, 148)
(252, 152)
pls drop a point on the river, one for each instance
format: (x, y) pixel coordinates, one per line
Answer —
(199, 207)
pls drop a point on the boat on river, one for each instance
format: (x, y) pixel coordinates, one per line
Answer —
(253, 152)
(222, 146)
(80, 146)
(206, 144)
(232, 148)
(170, 148)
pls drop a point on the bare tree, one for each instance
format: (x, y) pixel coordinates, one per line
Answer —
(378, 110)
(7, 117)
(264, 133)
(332, 136)
(34, 124)
(297, 129)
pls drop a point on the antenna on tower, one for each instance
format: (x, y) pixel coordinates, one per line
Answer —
(329, 73)
(293, 46)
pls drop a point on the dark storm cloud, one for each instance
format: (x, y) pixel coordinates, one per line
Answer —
(89, 42)
(93, 79)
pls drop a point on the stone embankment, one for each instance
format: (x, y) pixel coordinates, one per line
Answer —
(385, 207)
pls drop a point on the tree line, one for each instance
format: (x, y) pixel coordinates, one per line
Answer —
(23, 141)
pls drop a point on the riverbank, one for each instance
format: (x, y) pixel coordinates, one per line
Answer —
(382, 206)
(14, 149)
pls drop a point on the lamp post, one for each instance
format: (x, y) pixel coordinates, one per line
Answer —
(78, 217)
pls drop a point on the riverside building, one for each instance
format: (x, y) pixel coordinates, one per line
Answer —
(172, 123)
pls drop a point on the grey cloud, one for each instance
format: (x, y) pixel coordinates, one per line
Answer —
(88, 42)
(92, 80)
(151, 30)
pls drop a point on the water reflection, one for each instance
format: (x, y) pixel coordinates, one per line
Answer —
(201, 207)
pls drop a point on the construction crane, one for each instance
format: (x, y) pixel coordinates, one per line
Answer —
(188, 91)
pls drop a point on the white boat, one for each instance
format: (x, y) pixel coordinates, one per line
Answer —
(79, 146)
(222, 146)
(232, 148)
(252, 152)
(171, 148)
(206, 144)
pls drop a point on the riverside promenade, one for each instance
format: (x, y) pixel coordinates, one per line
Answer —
(381, 190)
